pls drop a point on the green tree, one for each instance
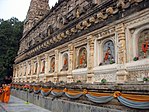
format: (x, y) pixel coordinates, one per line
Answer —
(10, 34)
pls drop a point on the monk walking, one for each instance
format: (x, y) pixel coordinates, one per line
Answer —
(6, 94)
(2, 93)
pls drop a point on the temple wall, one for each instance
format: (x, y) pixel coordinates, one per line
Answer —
(87, 58)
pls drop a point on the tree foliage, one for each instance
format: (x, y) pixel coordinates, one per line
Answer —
(10, 34)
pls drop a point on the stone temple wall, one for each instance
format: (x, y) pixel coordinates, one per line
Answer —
(109, 42)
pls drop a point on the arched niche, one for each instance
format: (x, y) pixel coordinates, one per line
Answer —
(140, 42)
(82, 58)
(52, 65)
(108, 52)
(64, 62)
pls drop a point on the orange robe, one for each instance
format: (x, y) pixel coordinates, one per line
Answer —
(6, 94)
(2, 97)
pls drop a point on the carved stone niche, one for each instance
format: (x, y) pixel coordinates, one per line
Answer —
(50, 30)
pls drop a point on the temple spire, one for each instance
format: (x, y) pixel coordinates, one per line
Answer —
(37, 10)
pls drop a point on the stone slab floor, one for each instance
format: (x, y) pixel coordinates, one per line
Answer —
(18, 105)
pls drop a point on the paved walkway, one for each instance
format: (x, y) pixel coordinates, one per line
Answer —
(18, 105)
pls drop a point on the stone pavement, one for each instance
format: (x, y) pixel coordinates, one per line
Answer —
(18, 105)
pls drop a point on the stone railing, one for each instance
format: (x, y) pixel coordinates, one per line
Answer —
(133, 96)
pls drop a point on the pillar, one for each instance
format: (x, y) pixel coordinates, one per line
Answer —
(90, 60)
(56, 66)
(46, 67)
(38, 68)
(121, 73)
(71, 63)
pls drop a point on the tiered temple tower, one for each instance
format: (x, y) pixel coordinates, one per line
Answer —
(37, 10)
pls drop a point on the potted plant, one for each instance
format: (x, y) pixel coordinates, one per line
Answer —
(100, 64)
(136, 58)
(79, 81)
(145, 79)
(103, 81)
(61, 81)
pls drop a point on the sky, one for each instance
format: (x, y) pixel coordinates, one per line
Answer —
(17, 8)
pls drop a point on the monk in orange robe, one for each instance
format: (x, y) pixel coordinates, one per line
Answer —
(6, 94)
(1, 95)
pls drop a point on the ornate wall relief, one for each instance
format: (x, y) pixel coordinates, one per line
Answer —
(64, 62)
(82, 58)
(108, 52)
(143, 44)
(110, 77)
(138, 75)
(139, 37)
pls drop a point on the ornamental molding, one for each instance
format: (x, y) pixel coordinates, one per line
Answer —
(79, 71)
(138, 65)
(105, 33)
(138, 20)
(105, 68)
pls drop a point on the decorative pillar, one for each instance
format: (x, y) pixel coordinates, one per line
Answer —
(90, 61)
(14, 73)
(121, 73)
(32, 71)
(70, 64)
(56, 66)
(17, 73)
(19, 77)
(38, 68)
(46, 67)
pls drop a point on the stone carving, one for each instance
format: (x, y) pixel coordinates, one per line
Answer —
(110, 77)
(77, 13)
(138, 75)
(79, 26)
(92, 19)
(29, 68)
(35, 67)
(110, 10)
(108, 52)
(73, 30)
(101, 16)
(52, 65)
(62, 35)
(36, 11)
(85, 24)
(65, 62)
(59, 37)
(50, 30)
(122, 4)
(82, 59)
(68, 32)
(122, 43)
(43, 66)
